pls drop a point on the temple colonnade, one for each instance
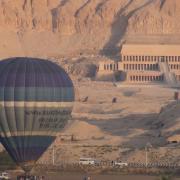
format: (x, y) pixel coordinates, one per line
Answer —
(150, 58)
(144, 78)
(141, 67)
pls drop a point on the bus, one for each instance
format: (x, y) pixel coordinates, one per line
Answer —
(88, 161)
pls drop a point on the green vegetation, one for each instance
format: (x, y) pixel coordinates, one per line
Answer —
(6, 162)
(166, 177)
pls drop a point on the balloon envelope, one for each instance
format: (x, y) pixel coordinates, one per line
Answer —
(36, 99)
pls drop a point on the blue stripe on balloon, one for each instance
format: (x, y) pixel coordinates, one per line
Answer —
(26, 148)
(32, 72)
(53, 94)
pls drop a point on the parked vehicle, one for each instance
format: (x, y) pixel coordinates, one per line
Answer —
(88, 161)
(4, 176)
(121, 164)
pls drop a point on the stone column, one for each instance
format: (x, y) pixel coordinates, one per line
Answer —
(129, 66)
(142, 78)
(139, 78)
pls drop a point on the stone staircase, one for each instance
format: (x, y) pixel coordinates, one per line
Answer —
(169, 76)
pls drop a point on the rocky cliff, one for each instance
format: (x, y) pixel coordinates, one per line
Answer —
(60, 27)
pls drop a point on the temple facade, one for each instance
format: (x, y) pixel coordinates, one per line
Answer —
(146, 63)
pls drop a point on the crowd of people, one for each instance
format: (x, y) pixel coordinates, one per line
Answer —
(30, 177)
(87, 178)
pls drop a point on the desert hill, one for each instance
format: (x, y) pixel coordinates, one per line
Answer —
(169, 121)
(51, 28)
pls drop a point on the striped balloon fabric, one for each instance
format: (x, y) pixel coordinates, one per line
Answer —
(36, 100)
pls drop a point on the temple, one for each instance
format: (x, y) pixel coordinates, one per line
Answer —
(141, 63)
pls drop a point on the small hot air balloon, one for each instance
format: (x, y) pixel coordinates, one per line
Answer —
(36, 101)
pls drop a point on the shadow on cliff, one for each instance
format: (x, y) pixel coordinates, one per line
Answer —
(124, 125)
(84, 5)
(162, 4)
(137, 129)
(168, 119)
(54, 14)
(118, 29)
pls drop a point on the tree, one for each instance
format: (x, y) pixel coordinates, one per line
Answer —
(166, 177)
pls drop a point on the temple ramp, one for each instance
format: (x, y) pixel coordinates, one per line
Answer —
(169, 76)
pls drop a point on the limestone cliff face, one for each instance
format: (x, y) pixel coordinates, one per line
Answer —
(160, 17)
(53, 27)
(64, 16)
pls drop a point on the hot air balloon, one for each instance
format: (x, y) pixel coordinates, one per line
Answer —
(36, 101)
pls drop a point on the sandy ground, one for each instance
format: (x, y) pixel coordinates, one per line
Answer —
(110, 131)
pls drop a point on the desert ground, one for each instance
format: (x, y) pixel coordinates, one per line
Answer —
(118, 131)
